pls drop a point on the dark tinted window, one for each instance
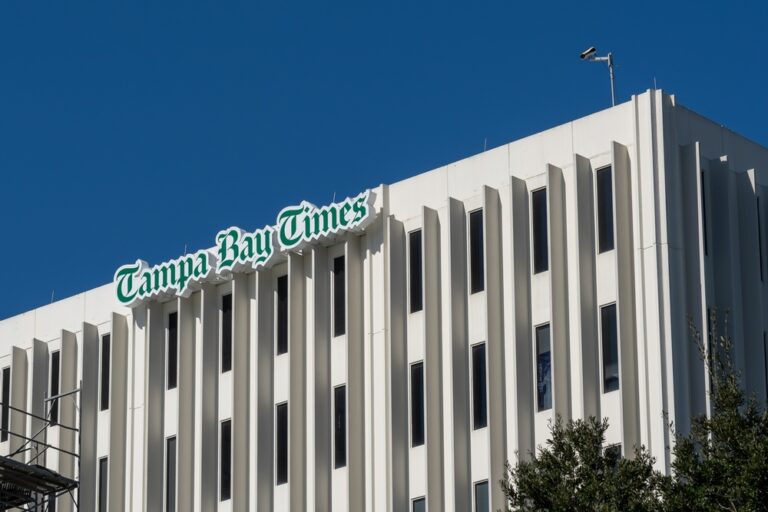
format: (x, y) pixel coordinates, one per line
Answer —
(543, 368)
(759, 238)
(415, 271)
(704, 212)
(281, 432)
(51, 503)
(173, 350)
(420, 505)
(282, 315)
(170, 474)
(605, 209)
(54, 386)
(610, 339)
(476, 253)
(613, 456)
(417, 404)
(340, 427)
(479, 387)
(481, 497)
(765, 360)
(106, 344)
(103, 475)
(226, 333)
(540, 234)
(339, 297)
(6, 399)
(225, 472)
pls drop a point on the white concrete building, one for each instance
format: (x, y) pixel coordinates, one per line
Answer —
(397, 366)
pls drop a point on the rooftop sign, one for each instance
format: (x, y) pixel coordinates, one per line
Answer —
(238, 251)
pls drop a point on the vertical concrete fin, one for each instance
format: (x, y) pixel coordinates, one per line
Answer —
(68, 410)
(355, 376)
(240, 383)
(185, 436)
(397, 369)
(89, 407)
(523, 413)
(433, 360)
(558, 258)
(322, 365)
(209, 445)
(297, 404)
(18, 421)
(118, 411)
(265, 390)
(154, 412)
(37, 428)
(497, 400)
(457, 233)
(625, 280)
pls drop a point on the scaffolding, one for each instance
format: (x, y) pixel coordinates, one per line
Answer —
(31, 486)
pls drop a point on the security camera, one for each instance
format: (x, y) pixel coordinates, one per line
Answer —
(588, 53)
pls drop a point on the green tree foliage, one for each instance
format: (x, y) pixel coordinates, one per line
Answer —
(722, 464)
(573, 472)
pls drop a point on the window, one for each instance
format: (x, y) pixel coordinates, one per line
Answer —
(610, 344)
(415, 271)
(479, 387)
(173, 350)
(339, 297)
(281, 453)
(170, 474)
(543, 368)
(476, 253)
(6, 400)
(225, 461)
(540, 235)
(765, 360)
(106, 344)
(282, 315)
(51, 503)
(481, 497)
(420, 505)
(226, 333)
(103, 475)
(704, 212)
(417, 404)
(340, 427)
(759, 239)
(613, 455)
(54, 386)
(605, 209)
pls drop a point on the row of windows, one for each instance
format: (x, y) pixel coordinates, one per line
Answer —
(540, 239)
(481, 499)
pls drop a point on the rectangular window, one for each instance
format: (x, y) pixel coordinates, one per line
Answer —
(610, 343)
(106, 344)
(479, 387)
(759, 239)
(6, 400)
(282, 315)
(420, 505)
(51, 503)
(543, 368)
(415, 274)
(225, 459)
(281, 452)
(170, 474)
(765, 360)
(339, 297)
(340, 427)
(704, 212)
(540, 231)
(604, 178)
(226, 333)
(173, 350)
(481, 497)
(417, 404)
(476, 252)
(103, 479)
(613, 455)
(54, 386)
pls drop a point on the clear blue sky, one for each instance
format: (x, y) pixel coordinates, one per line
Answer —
(132, 129)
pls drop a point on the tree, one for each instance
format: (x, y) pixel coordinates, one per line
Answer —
(722, 464)
(573, 472)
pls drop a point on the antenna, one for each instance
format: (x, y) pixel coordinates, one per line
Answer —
(589, 54)
(485, 144)
(53, 292)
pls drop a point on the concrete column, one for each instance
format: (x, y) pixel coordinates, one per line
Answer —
(154, 413)
(118, 411)
(185, 436)
(321, 336)
(523, 405)
(18, 420)
(68, 410)
(265, 390)
(433, 360)
(558, 250)
(89, 410)
(209, 368)
(38, 428)
(397, 368)
(297, 403)
(241, 397)
(355, 376)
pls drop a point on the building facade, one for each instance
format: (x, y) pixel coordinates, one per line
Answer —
(398, 365)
